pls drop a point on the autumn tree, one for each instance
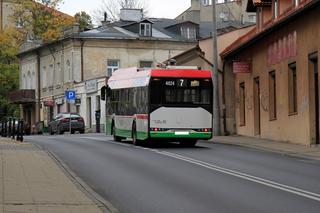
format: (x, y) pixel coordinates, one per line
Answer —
(40, 19)
(112, 8)
(9, 71)
(84, 20)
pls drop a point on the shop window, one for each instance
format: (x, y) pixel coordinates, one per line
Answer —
(292, 85)
(242, 104)
(272, 96)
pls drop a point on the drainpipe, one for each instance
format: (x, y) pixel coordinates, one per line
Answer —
(39, 81)
(82, 44)
(224, 100)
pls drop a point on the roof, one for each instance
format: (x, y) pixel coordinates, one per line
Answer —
(161, 30)
(222, 27)
(269, 27)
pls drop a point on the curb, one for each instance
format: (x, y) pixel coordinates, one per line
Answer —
(282, 152)
(103, 204)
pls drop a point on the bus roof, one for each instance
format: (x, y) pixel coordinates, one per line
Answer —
(138, 77)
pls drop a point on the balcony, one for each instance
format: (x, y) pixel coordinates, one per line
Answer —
(23, 96)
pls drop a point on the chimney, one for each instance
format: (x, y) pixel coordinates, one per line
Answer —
(127, 14)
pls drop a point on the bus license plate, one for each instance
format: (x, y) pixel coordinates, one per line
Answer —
(181, 133)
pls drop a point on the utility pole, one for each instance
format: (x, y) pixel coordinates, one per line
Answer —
(215, 74)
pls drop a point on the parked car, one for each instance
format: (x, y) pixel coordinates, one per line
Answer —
(61, 123)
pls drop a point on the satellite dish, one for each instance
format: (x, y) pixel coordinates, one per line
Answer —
(222, 15)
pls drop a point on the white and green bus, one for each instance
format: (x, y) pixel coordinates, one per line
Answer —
(172, 104)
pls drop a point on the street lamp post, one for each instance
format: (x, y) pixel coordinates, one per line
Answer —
(215, 74)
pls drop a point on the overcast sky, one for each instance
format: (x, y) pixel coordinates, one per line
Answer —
(157, 8)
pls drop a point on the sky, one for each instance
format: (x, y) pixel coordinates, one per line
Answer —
(157, 8)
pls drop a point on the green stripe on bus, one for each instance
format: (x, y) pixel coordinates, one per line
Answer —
(123, 133)
(196, 135)
(128, 134)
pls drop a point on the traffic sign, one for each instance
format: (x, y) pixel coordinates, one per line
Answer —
(70, 95)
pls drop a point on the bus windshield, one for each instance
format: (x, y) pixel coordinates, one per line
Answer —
(181, 91)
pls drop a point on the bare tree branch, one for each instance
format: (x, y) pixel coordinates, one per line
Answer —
(112, 8)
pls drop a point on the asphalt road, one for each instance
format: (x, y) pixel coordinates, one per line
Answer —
(205, 179)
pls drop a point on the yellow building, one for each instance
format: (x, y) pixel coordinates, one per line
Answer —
(274, 73)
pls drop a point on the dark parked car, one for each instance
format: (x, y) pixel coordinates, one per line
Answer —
(61, 123)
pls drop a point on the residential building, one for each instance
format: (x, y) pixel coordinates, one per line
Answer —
(81, 61)
(273, 85)
(226, 10)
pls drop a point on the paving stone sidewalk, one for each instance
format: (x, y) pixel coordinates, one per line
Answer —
(31, 181)
(311, 152)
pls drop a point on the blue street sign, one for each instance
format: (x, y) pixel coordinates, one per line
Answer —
(70, 95)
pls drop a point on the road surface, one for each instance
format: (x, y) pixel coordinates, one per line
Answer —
(205, 179)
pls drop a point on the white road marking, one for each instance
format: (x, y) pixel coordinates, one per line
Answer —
(248, 177)
(272, 184)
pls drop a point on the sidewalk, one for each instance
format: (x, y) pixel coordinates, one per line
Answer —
(31, 181)
(310, 152)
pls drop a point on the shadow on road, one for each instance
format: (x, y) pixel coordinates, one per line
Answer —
(165, 145)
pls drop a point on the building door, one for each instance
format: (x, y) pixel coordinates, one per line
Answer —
(313, 63)
(256, 97)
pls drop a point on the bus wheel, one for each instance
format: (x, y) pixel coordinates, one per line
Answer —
(115, 137)
(135, 141)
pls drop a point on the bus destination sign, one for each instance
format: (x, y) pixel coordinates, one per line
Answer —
(182, 83)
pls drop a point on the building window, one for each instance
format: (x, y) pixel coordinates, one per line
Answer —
(58, 108)
(276, 9)
(58, 74)
(206, 2)
(296, 3)
(146, 64)
(292, 85)
(145, 29)
(67, 76)
(24, 82)
(188, 32)
(44, 77)
(112, 65)
(252, 18)
(272, 96)
(98, 106)
(242, 92)
(19, 23)
(33, 86)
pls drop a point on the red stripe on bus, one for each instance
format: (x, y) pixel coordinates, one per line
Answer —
(143, 116)
(181, 73)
